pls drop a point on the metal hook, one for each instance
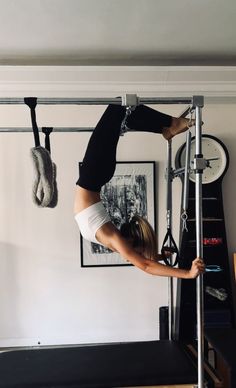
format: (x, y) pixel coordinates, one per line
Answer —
(184, 218)
(123, 127)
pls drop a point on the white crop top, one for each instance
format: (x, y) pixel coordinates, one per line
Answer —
(91, 219)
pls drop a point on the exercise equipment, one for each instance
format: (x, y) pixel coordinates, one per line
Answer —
(134, 364)
(44, 186)
(23, 364)
(218, 310)
(169, 244)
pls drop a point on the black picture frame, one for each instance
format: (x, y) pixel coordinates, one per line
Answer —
(130, 191)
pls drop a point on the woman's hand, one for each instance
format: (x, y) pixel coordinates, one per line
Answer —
(197, 268)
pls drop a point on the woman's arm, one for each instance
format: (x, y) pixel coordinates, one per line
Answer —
(154, 268)
(110, 237)
(159, 269)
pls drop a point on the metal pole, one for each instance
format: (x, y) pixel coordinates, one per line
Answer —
(169, 226)
(199, 244)
(96, 101)
(186, 171)
(84, 101)
(55, 129)
(169, 177)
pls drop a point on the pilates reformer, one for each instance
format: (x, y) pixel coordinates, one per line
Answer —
(153, 363)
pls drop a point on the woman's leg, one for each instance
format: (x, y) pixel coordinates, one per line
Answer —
(144, 118)
(147, 119)
(99, 162)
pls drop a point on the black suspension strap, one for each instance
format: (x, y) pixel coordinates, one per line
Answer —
(169, 246)
(32, 103)
(47, 131)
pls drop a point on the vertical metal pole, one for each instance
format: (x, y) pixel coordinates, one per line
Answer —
(199, 244)
(186, 171)
(169, 225)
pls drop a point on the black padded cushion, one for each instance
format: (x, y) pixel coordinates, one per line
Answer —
(109, 365)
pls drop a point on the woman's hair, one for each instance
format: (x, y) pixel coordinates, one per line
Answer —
(142, 236)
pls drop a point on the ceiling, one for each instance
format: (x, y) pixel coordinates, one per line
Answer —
(118, 32)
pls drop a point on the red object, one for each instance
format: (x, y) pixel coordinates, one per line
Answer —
(212, 240)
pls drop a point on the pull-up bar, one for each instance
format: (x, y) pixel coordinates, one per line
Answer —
(97, 101)
(93, 101)
(55, 129)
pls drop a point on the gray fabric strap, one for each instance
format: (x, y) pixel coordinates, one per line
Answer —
(44, 187)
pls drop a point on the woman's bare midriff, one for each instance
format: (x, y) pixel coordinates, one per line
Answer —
(85, 198)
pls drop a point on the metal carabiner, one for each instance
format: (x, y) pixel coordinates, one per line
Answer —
(184, 218)
(123, 127)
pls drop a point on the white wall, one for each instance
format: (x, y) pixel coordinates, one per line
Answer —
(45, 295)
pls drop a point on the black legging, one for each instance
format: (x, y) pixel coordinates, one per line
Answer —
(99, 162)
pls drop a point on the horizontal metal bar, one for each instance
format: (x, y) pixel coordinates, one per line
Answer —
(56, 129)
(166, 100)
(106, 101)
(97, 101)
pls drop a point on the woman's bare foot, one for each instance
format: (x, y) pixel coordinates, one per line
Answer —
(178, 125)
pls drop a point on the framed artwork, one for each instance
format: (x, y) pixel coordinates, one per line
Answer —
(131, 191)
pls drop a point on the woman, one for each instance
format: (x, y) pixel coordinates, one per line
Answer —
(136, 241)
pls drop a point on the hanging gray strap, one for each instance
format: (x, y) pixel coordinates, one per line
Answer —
(54, 200)
(44, 186)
